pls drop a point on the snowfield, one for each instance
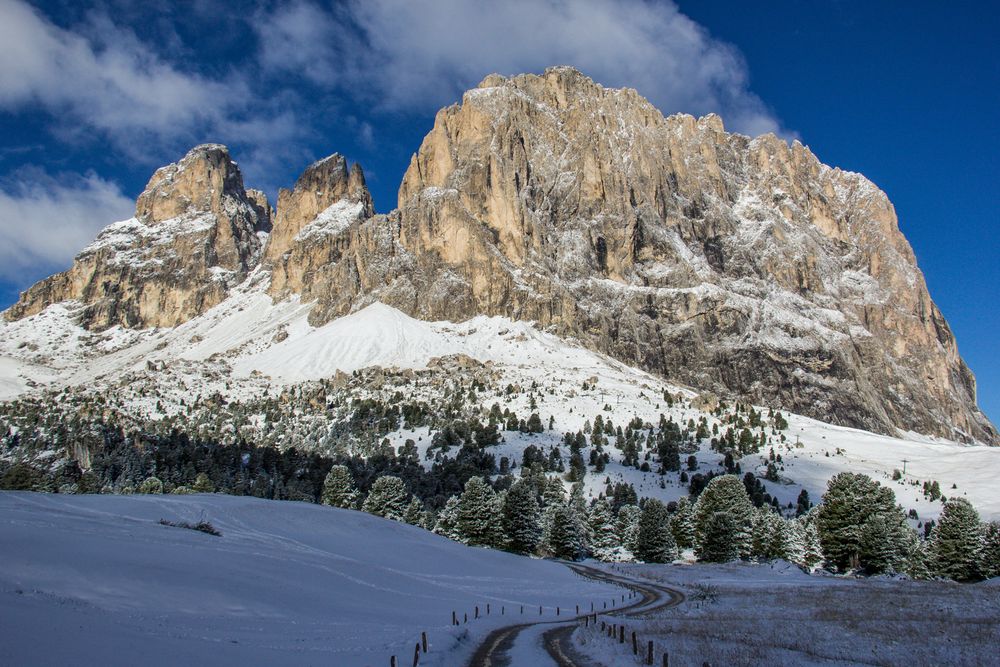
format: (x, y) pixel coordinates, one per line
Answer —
(97, 580)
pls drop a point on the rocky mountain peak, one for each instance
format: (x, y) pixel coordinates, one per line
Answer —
(193, 237)
(200, 182)
(311, 220)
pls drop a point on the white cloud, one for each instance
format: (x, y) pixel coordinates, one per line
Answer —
(44, 222)
(400, 54)
(107, 80)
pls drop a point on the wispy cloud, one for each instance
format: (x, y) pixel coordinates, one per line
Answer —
(107, 80)
(46, 220)
(401, 55)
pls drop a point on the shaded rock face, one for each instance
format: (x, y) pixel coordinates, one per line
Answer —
(737, 265)
(193, 238)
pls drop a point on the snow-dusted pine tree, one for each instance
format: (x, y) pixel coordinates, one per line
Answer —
(767, 535)
(628, 526)
(578, 505)
(883, 545)
(605, 544)
(387, 498)
(477, 514)
(956, 542)
(339, 489)
(726, 494)
(414, 514)
(718, 540)
(852, 500)
(520, 518)
(989, 562)
(447, 520)
(682, 524)
(812, 550)
(655, 543)
(564, 538)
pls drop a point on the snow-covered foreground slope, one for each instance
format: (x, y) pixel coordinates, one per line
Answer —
(97, 580)
(249, 346)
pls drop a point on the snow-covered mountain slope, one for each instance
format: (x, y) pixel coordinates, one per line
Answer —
(285, 584)
(248, 347)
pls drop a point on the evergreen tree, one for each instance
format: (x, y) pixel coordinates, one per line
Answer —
(414, 514)
(520, 518)
(564, 539)
(768, 535)
(717, 541)
(882, 546)
(605, 544)
(202, 484)
(989, 564)
(655, 542)
(957, 541)
(151, 485)
(578, 505)
(915, 564)
(682, 524)
(387, 498)
(447, 520)
(726, 494)
(851, 501)
(628, 526)
(477, 514)
(793, 540)
(554, 492)
(812, 550)
(339, 489)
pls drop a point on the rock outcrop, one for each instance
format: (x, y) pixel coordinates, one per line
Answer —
(193, 238)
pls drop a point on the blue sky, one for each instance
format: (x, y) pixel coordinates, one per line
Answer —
(95, 96)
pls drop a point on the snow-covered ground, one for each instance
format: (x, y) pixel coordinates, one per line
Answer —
(97, 580)
(248, 346)
(745, 614)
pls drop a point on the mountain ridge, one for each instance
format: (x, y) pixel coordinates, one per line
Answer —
(742, 266)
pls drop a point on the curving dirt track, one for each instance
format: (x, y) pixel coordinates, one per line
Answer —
(494, 650)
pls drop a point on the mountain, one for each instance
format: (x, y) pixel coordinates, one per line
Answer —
(734, 265)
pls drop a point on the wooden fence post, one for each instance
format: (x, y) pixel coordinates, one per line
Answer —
(392, 661)
(423, 640)
(477, 611)
(465, 617)
(621, 634)
(416, 655)
(666, 659)
(487, 608)
(635, 644)
(649, 653)
(454, 617)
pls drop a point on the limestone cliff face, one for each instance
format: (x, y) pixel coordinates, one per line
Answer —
(310, 223)
(193, 237)
(734, 264)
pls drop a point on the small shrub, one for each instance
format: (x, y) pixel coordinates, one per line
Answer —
(202, 526)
